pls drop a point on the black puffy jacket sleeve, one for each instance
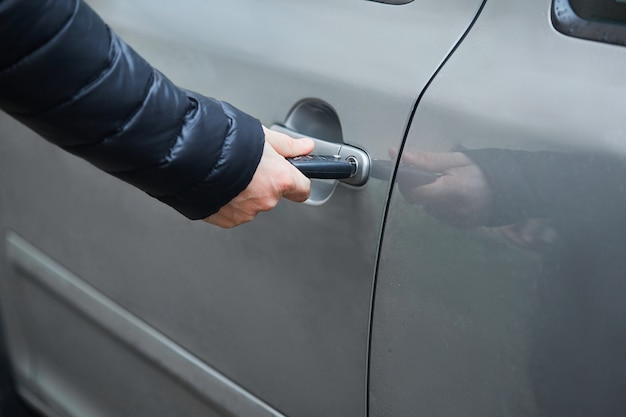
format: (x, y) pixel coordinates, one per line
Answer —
(66, 75)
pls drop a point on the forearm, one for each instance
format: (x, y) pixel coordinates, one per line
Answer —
(68, 77)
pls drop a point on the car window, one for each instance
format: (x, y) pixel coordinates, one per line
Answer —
(598, 20)
(610, 11)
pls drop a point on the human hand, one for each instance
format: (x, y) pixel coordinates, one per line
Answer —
(460, 197)
(274, 178)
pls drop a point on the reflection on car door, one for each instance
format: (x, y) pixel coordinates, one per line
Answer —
(515, 308)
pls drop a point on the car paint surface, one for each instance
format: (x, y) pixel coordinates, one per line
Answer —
(115, 305)
(467, 322)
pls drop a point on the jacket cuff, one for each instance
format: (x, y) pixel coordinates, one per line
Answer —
(240, 155)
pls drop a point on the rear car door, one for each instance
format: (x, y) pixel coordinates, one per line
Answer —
(115, 305)
(501, 291)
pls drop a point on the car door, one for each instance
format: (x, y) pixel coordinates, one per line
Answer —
(500, 290)
(117, 306)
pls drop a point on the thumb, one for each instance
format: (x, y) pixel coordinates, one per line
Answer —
(286, 145)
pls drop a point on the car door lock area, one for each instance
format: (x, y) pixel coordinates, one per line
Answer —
(332, 160)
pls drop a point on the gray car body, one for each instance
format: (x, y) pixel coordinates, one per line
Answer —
(358, 305)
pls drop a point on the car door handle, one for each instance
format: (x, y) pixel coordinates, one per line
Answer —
(332, 160)
(325, 166)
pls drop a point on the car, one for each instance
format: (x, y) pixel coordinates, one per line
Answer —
(493, 287)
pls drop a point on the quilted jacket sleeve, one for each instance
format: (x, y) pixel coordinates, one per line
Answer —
(66, 75)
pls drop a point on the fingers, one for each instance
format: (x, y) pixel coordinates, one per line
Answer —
(224, 221)
(460, 197)
(429, 193)
(242, 209)
(300, 189)
(294, 185)
(289, 181)
(273, 179)
(287, 146)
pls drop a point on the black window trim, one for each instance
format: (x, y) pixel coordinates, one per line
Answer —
(566, 21)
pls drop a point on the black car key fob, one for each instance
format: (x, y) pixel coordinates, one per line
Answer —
(324, 166)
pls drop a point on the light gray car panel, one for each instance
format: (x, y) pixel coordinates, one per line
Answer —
(526, 319)
(279, 308)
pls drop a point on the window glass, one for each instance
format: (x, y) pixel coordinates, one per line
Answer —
(611, 11)
(597, 20)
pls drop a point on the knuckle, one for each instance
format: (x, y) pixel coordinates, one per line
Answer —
(244, 217)
(283, 183)
(292, 183)
(268, 204)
